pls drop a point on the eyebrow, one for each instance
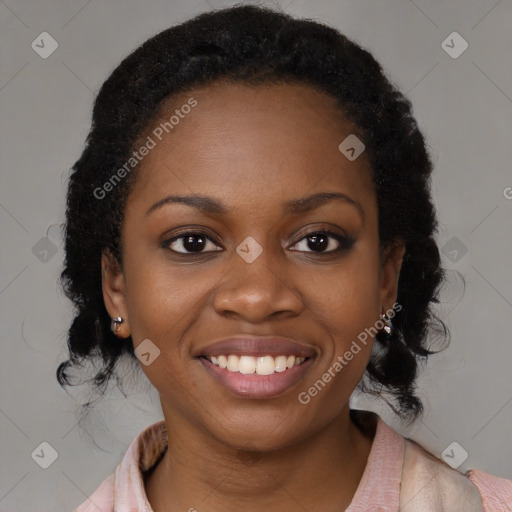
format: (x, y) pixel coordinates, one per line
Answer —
(210, 206)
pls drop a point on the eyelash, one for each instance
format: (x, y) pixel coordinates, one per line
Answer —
(345, 242)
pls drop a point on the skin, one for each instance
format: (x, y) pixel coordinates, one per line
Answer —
(253, 148)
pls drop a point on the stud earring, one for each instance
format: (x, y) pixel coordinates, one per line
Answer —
(115, 325)
(387, 323)
(385, 332)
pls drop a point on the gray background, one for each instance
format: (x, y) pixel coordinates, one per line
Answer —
(464, 107)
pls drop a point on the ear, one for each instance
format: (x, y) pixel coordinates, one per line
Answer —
(114, 289)
(391, 263)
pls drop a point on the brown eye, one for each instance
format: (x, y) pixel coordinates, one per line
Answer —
(324, 242)
(191, 242)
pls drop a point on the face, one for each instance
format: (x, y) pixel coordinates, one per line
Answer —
(254, 258)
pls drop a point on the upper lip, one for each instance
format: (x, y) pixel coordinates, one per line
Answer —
(256, 346)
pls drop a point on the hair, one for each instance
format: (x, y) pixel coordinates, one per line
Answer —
(255, 45)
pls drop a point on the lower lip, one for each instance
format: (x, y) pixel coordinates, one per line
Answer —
(257, 386)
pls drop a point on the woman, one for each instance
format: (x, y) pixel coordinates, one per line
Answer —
(251, 218)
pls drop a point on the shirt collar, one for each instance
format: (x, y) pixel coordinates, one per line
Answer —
(379, 488)
(379, 485)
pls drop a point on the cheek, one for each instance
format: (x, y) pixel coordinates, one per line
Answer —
(346, 314)
(164, 300)
(346, 299)
(161, 302)
(345, 303)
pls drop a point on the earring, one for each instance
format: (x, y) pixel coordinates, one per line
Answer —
(385, 332)
(115, 325)
(387, 323)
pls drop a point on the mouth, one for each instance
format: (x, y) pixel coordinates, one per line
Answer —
(261, 377)
(257, 367)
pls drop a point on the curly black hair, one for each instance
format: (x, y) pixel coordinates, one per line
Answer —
(255, 45)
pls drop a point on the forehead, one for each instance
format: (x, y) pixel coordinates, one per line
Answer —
(244, 139)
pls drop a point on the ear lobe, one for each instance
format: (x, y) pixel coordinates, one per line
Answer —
(390, 272)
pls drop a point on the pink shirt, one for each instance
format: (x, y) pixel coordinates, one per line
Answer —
(399, 475)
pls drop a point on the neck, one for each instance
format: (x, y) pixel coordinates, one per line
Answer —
(320, 473)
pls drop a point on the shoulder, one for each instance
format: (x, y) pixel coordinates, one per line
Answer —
(429, 484)
(496, 492)
(125, 485)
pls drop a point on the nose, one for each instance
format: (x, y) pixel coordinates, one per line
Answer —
(257, 291)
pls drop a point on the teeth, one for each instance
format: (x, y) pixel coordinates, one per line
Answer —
(246, 365)
(280, 363)
(233, 363)
(265, 365)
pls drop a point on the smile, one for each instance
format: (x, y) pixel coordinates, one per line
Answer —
(257, 377)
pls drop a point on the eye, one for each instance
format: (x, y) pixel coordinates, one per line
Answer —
(191, 242)
(320, 241)
(324, 241)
